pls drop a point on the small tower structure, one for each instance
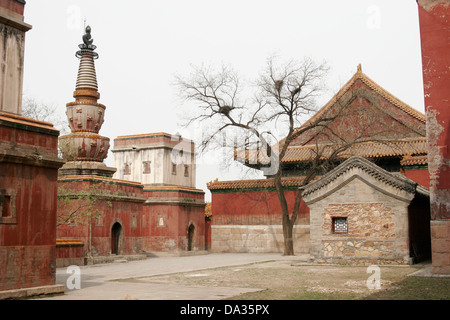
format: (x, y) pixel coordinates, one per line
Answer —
(84, 149)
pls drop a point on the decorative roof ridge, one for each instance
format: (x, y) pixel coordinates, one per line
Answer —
(229, 184)
(151, 135)
(366, 166)
(19, 119)
(410, 160)
(96, 178)
(150, 188)
(390, 97)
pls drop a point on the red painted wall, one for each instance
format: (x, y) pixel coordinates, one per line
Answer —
(252, 208)
(13, 5)
(123, 204)
(141, 231)
(434, 31)
(28, 173)
(421, 176)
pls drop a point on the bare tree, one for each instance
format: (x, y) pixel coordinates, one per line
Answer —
(31, 108)
(284, 101)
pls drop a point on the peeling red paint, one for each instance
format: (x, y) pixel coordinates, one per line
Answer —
(434, 32)
(433, 17)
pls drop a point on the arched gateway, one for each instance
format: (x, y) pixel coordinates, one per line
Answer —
(116, 232)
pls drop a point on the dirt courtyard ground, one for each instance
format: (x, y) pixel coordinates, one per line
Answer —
(286, 280)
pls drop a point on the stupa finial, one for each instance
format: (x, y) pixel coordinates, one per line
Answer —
(87, 37)
(87, 46)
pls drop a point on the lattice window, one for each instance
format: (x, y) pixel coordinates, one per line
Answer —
(340, 225)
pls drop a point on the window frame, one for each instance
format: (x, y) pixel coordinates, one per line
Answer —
(174, 169)
(8, 206)
(147, 167)
(333, 225)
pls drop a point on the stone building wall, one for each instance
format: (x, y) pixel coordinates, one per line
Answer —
(12, 48)
(377, 227)
(370, 236)
(373, 210)
(155, 159)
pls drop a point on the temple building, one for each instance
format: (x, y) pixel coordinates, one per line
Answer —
(147, 204)
(388, 139)
(29, 166)
(155, 159)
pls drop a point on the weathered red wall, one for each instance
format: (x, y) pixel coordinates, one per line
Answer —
(434, 33)
(179, 207)
(421, 176)
(254, 207)
(28, 170)
(68, 251)
(13, 5)
(123, 204)
(208, 234)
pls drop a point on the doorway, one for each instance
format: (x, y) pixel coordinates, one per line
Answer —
(116, 233)
(190, 236)
(419, 229)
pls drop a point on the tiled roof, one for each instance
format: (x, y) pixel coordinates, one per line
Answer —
(363, 149)
(254, 184)
(324, 185)
(388, 148)
(414, 160)
(377, 149)
(152, 135)
(150, 188)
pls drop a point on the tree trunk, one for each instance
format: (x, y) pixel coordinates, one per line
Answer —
(288, 227)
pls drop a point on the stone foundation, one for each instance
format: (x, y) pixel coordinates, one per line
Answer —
(440, 246)
(360, 252)
(256, 238)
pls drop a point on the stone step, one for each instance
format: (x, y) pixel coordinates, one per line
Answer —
(117, 258)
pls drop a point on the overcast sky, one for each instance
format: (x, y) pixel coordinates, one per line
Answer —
(142, 44)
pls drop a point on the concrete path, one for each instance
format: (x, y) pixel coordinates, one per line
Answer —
(99, 282)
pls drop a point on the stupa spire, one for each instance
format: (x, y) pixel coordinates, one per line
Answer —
(87, 77)
(84, 148)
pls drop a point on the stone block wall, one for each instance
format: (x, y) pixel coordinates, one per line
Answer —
(257, 238)
(377, 227)
(373, 221)
(440, 244)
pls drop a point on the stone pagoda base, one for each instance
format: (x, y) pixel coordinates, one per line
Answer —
(74, 168)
